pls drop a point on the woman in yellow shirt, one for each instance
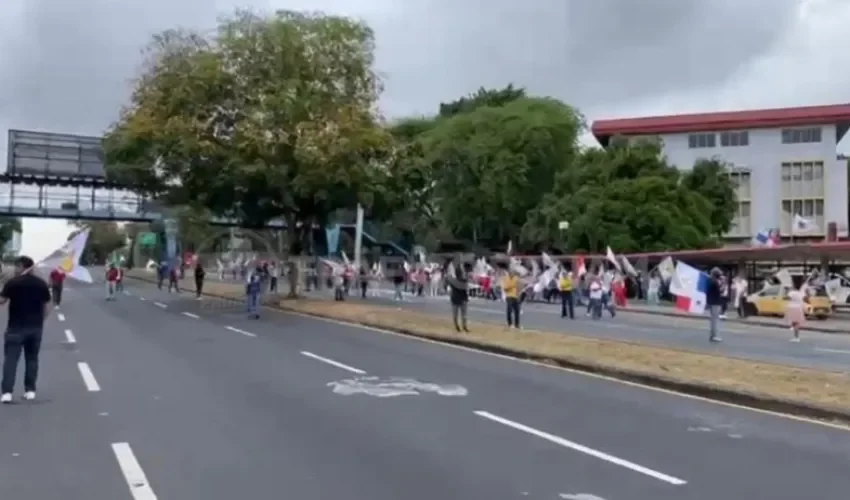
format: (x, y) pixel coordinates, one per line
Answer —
(565, 286)
(510, 287)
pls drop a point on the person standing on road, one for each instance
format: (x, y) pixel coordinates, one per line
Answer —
(714, 300)
(200, 274)
(565, 287)
(459, 297)
(253, 289)
(795, 312)
(57, 284)
(364, 282)
(510, 286)
(111, 281)
(173, 275)
(119, 281)
(29, 299)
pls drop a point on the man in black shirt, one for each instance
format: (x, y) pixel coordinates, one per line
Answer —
(458, 282)
(29, 301)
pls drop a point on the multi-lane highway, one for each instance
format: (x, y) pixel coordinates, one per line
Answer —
(155, 396)
(827, 351)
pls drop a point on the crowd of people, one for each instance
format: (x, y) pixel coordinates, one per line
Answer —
(597, 294)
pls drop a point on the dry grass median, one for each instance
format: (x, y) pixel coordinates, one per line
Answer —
(783, 388)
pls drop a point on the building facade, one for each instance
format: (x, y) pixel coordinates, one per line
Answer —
(784, 161)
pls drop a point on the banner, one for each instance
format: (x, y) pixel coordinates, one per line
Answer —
(332, 234)
(67, 258)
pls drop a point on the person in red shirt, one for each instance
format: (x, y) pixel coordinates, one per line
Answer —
(57, 282)
(111, 281)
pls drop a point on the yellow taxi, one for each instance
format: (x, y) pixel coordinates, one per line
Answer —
(771, 301)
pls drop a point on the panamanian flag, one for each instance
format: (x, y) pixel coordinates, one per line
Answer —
(690, 286)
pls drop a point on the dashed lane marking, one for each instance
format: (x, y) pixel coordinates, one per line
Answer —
(582, 449)
(333, 363)
(133, 473)
(240, 331)
(88, 377)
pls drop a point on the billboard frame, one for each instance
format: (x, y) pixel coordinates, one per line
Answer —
(50, 155)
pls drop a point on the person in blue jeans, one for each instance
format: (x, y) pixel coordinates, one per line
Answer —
(252, 295)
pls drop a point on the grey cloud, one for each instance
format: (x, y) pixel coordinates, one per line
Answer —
(585, 51)
(67, 64)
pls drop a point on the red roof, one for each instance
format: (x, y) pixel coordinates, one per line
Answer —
(811, 252)
(727, 120)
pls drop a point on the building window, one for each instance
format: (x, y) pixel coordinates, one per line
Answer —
(803, 194)
(735, 139)
(801, 135)
(742, 222)
(696, 141)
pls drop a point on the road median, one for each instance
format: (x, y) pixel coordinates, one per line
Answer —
(805, 392)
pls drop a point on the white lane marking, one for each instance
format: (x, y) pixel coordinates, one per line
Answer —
(195, 316)
(837, 351)
(333, 363)
(133, 473)
(88, 377)
(160, 305)
(142, 298)
(563, 369)
(582, 449)
(69, 336)
(240, 331)
(60, 317)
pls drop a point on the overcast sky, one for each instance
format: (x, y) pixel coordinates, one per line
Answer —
(65, 64)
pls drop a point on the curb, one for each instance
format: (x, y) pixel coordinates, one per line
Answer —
(806, 328)
(704, 390)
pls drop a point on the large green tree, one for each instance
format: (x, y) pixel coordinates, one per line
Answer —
(105, 237)
(710, 178)
(625, 196)
(489, 167)
(270, 117)
(8, 227)
(493, 98)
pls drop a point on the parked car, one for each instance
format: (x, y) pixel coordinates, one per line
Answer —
(772, 300)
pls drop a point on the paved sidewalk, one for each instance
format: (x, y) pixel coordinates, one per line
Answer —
(839, 324)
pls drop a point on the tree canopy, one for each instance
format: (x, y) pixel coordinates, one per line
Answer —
(8, 227)
(105, 238)
(276, 116)
(270, 117)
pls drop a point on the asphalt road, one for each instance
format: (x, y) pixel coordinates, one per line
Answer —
(195, 401)
(823, 351)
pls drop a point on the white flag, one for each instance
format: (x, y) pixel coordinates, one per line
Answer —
(609, 255)
(666, 268)
(802, 225)
(630, 269)
(67, 257)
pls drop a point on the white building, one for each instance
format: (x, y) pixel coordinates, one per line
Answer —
(784, 160)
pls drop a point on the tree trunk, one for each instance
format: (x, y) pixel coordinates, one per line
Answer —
(292, 265)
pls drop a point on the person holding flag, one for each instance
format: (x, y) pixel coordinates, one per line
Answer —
(112, 274)
(695, 291)
(57, 283)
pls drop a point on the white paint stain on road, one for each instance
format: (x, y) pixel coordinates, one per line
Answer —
(579, 496)
(394, 386)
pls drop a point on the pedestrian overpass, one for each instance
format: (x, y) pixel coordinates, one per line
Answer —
(63, 176)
